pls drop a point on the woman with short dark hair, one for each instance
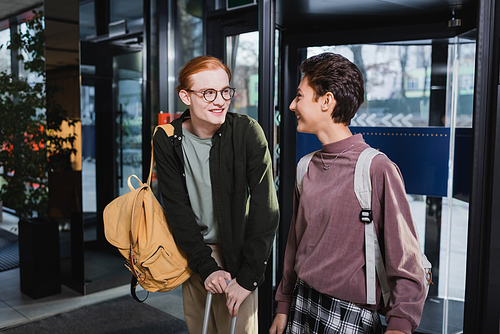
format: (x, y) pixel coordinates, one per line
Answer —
(323, 285)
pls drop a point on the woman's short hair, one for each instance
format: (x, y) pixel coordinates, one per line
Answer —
(196, 65)
(330, 72)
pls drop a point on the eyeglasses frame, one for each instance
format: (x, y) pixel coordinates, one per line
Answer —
(233, 90)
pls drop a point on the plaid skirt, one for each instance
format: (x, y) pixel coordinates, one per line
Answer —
(317, 313)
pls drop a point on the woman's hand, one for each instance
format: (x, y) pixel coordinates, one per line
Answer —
(216, 282)
(279, 324)
(235, 295)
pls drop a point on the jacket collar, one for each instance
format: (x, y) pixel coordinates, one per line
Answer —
(177, 123)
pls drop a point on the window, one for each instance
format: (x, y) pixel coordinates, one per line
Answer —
(412, 84)
(87, 20)
(30, 76)
(392, 74)
(243, 60)
(4, 52)
(129, 10)
(188, 37)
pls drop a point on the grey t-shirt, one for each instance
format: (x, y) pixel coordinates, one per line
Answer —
(196, 153)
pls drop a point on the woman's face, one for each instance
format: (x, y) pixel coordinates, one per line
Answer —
(206, 114)
(308, 111)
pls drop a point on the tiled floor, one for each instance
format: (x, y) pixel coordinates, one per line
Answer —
(17, 308)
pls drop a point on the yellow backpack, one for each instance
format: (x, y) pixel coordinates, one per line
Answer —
(136, 224)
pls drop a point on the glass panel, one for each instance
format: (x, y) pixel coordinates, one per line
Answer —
(453, 252)
(154, 72)
(466, 73)
(87, 107)
(276, 141)
(87, 20)
(32, 77)
(402, 101)
(128, 83)
(4, 52)
(190, 14)
(243, 60)
(187, 40)
(397, 82)
(129, 10)
(89, 194)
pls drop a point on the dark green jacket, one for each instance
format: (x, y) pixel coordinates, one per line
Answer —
(244, 198)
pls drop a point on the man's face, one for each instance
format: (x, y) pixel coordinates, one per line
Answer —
(207, 114)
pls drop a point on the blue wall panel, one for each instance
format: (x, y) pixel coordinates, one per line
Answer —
(421, 154)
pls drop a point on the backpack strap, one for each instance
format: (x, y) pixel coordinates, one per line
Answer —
(133, 286)
(373, 256)
(169, 130)
(302, 169)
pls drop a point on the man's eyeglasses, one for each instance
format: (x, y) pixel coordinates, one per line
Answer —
(211, 94)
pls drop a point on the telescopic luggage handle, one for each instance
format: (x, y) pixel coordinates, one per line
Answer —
(208, 303)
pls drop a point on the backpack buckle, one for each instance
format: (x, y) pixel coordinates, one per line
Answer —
(366, 216)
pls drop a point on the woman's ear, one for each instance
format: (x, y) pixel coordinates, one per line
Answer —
(185, 97)
(328, 102)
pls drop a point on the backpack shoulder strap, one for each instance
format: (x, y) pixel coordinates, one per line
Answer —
(302, 169)
(168, 128)
(373, 258)
(362, 180)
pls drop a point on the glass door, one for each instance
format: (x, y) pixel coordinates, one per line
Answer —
(112, 118)
(127, 83)
(127, 102)
(421, 117)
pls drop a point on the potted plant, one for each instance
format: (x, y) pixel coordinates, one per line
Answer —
(30, 139)
(33, 146)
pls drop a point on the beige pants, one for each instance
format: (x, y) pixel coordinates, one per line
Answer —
(194, 297)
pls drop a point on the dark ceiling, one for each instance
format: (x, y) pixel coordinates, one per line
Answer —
(308, 15)
(303, 10)
(10, 8)
(293, 16)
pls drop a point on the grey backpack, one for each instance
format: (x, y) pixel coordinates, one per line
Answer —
(373, 257)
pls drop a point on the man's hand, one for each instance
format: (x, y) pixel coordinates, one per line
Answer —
(216, 282)
(235, 295)
(279, 324)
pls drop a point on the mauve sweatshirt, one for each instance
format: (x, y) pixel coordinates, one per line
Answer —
(325, 246)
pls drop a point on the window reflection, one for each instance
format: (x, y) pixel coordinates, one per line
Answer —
(32, 77)
(189, 42)
(89, 195)
(243, 60)
(129, 10)
(191, 26)
(128, 83)
(4, 52)
(397, 82)
(466, 72)
(87, 19)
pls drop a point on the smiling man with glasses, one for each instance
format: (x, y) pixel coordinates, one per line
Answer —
(216, 182)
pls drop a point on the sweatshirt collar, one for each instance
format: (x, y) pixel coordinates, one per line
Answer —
(341, 145)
